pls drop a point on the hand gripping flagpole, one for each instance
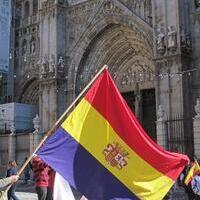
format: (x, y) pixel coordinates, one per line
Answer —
(57, 124)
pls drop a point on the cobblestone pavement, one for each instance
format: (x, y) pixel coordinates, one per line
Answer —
(26, 196)
(27, 192)
(179, 194)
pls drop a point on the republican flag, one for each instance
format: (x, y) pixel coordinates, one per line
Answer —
(103, 152)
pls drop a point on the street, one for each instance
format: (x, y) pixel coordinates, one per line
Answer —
(26, 196)
(27, 192)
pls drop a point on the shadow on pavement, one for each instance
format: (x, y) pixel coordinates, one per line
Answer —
(30, 187)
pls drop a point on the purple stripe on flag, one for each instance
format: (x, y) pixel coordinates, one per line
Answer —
(66, 156)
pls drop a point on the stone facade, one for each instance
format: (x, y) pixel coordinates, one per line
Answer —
(151, 48)
(16, 147)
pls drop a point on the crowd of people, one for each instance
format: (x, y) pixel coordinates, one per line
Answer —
(43, 176)
(192, 187)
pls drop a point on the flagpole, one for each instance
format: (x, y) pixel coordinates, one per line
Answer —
(58, 123)
(196, 162)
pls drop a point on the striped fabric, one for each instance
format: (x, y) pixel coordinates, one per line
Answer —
(102, 150)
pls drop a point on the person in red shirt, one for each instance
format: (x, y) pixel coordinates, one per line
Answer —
(50, 184)
(41, 176)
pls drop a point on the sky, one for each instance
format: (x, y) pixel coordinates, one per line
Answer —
(4, 34)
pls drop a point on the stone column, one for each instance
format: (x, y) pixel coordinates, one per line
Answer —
(161, 128)
(31, 8)
(34, 141)
(196, 127)
(137, 102)
(52, 62)
(34, 137)
(12, 143)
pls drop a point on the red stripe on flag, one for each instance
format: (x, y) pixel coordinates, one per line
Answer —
(107, 100)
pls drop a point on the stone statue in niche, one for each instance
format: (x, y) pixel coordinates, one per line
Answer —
(16, 52)
(197, 3)
(52, 64)
(160, 41)
(160, 113)
(186, 42)
(172, 38)
(44, 66)
(36, 123)
(108, 6)
(183, 38)
(61, 62)
(197, 108)
(32, 46)
(24, 47)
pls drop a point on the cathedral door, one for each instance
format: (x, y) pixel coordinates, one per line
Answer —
(148, 107)
(130, 99)
(147, 115)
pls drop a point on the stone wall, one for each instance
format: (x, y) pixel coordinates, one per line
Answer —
(16, 147)
(3, 153)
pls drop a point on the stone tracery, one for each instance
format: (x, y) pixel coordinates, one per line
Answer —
(116, 46)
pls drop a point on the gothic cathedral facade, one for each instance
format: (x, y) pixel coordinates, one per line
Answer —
(151, 47)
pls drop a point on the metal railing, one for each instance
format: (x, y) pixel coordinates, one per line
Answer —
(179, 137)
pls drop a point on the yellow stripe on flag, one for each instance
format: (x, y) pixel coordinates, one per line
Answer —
(94, 133)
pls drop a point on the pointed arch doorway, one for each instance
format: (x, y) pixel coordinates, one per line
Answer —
(129, 58)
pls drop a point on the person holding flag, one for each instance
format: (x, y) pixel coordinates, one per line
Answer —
(195, 183)
(192, 180)
(193, 171)
(6, 181)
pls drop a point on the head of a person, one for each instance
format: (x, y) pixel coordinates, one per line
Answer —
(9, 163)
(13, 163)
(36, 158)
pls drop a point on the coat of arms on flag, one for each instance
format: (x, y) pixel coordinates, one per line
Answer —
(116, 156)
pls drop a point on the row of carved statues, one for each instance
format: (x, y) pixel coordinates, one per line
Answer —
(50, 66)
(169, 40)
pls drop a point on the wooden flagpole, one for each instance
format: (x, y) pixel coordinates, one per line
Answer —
(57, 124)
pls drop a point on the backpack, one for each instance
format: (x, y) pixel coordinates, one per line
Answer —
(195, 184)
